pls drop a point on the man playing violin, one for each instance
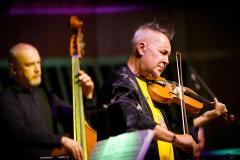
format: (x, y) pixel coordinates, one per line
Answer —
(129, 104)
(29, 115)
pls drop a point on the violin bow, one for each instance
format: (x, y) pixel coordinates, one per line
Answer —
(182, 101)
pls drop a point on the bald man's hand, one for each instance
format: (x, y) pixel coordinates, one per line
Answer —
(73, 148)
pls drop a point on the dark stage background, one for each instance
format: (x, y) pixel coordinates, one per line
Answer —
(206, 33)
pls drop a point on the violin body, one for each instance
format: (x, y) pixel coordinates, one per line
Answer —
(162, 91)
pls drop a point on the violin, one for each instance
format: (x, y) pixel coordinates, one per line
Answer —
(167, 92)
(163, 91)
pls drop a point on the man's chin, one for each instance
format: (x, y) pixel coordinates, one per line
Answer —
(36, 83)
(156, 75)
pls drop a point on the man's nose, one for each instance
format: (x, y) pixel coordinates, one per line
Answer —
(166, 59)
(37, 67)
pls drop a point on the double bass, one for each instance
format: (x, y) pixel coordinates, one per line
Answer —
(83, 133)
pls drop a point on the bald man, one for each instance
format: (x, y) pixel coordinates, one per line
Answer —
(29, 115)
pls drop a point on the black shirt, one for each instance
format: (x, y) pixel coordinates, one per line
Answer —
(28, 120)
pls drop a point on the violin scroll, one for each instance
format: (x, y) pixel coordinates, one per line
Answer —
(230, 118)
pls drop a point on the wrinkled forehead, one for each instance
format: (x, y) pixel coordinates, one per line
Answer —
(25, 54)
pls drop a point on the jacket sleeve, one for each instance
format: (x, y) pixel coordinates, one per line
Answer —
(124, 111)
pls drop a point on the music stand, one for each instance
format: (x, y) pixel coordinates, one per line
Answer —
(127, 146)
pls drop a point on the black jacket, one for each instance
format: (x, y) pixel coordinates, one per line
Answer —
(128, 110)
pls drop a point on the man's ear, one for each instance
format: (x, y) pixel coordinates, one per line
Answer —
(12, 69)
(142, 46)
